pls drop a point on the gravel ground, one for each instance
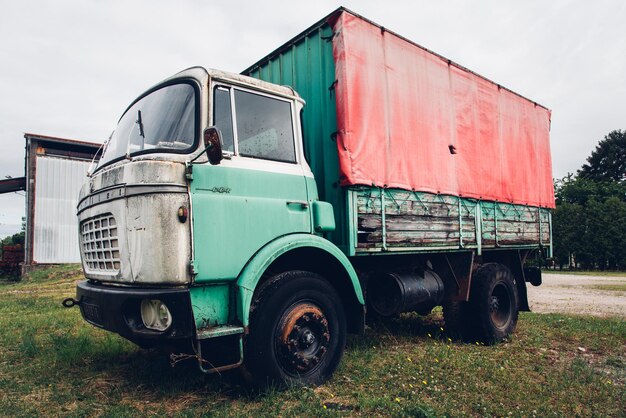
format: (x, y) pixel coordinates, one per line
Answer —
(569, 293)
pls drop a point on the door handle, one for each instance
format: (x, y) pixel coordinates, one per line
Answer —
(303, 204)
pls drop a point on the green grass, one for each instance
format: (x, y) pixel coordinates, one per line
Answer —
(619, 287)
(52, 363)
(587, 272)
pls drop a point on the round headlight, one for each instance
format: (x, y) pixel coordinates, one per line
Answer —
(155, 315)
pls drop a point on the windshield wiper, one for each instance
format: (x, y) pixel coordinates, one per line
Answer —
(141, 132)
(140, 123)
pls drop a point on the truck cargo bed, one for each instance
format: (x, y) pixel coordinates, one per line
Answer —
(397, 220)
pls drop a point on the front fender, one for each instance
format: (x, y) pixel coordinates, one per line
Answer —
(252, 273)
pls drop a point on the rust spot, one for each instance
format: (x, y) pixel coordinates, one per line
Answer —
(303, 338)
(295, 314)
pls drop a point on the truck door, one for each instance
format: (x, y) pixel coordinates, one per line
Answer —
(257, 193)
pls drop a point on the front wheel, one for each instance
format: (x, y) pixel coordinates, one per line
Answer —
(297, 330)
(493, 303)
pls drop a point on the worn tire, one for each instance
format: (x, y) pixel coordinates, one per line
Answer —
(297, 331)
(493, 303)
(456, 316)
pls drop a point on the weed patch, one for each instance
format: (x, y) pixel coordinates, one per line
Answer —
(620, 287)
(53, 363)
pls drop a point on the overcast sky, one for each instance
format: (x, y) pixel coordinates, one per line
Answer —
(68, 68)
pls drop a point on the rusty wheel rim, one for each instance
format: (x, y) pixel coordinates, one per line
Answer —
(303, 338)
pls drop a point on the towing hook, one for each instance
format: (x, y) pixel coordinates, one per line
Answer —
(70, 302)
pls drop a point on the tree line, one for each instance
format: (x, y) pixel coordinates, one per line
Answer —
(589, 222)
(15, 239)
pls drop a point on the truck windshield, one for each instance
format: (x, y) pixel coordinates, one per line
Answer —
(162, 121)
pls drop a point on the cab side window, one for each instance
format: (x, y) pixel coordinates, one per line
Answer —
(264, 127)
(261, 126)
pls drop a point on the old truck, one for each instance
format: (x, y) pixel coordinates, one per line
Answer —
(253, 219)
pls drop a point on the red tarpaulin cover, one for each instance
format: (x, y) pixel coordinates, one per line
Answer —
(401, 107)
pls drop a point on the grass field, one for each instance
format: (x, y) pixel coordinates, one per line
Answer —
(588, 273)
(52, 363)
(620, 287)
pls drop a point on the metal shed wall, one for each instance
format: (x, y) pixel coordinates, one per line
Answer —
(55, 228)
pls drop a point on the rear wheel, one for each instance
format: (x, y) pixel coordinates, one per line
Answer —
(456, 318)
(297, 331)
(493, 303)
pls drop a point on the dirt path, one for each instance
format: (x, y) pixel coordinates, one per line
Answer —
(569, 293)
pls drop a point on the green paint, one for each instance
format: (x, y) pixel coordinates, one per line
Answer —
(323, 217)
(229, 228)
(308, 66)
(210, 305)
(251, 225)
(252, 273)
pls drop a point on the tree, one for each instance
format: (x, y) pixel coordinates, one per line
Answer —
(608, 161)
(14, 239)
(567, 229)
(579, 190)
(589, 223)
(614, 211)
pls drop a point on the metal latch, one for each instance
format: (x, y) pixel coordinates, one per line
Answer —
(193, 269)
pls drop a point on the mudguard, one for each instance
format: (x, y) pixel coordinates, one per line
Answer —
(253, 271)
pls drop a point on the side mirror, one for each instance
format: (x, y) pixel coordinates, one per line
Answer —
(213, 145)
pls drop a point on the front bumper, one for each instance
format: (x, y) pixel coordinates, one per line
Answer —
(117, 309)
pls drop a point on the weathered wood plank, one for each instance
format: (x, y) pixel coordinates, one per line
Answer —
(420, 238)
(423, 220)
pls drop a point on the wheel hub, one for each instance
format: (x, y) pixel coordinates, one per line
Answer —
(304, 338)
(308, 338)
(500, 306)
(494, 304)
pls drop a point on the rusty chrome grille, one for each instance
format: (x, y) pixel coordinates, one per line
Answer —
(99, 243)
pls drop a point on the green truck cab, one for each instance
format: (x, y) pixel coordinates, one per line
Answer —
(216, 224)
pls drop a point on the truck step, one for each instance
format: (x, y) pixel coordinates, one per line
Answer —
(219, 331)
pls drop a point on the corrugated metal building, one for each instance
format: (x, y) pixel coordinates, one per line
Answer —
(55, 170)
